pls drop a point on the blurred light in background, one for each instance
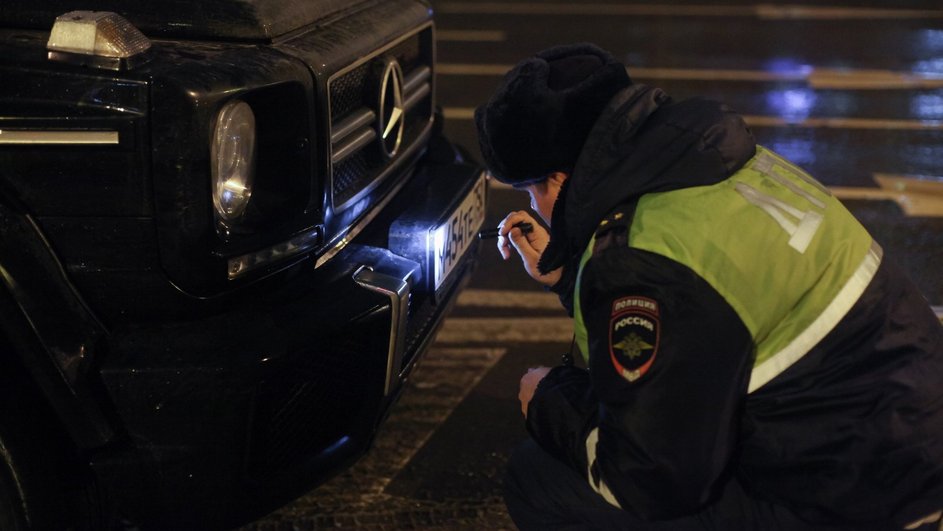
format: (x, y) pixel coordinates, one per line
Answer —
(927, 106)
(792, 105)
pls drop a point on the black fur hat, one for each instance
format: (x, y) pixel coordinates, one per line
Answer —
(538, 119)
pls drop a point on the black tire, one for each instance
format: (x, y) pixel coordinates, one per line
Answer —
(25, 481)
(12, 516)
(41, 483)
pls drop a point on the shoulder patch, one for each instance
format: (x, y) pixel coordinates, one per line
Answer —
(634, 330)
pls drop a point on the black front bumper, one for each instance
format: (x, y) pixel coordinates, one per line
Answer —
(229, 416)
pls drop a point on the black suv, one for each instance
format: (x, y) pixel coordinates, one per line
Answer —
(228, 231)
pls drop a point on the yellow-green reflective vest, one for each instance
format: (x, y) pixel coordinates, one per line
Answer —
(773, 242)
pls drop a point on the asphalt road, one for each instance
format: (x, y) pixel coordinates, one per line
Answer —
(852, 93)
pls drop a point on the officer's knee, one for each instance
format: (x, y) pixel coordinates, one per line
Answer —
(520, 470)
(520, 484)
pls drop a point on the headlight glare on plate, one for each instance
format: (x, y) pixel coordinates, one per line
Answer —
(233, 159)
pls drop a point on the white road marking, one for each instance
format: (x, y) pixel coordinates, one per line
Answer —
(494, 330)
(459, 113)
(468, 113)
(793, 12)
(916, 196)
(470, 35)
(587, 8)
(845, 123)
(869, 79)
(525, 300)
(440, 383)
(437, 367)
(499, 330)
(815, 77)
(760, 11)
(470, 69)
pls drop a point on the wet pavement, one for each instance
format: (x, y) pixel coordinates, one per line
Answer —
(400, 483)
(853, 93)
(438, 460)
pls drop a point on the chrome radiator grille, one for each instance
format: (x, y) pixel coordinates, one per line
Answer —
(380, 107)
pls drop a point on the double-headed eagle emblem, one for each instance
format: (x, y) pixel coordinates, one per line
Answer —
(632, 346)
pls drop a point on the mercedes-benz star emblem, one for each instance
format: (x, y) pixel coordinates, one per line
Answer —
(392, 114)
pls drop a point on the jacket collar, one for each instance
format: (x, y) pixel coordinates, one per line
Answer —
(643, 142)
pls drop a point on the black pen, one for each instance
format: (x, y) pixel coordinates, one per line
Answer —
(494, 233)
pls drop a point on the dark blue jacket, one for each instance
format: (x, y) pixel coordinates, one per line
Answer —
(851, 433)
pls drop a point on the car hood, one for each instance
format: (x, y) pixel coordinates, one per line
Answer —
(250, 20)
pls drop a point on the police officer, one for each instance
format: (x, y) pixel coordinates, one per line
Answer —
(754, 360)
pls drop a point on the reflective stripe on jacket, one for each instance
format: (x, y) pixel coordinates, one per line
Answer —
(776, 244)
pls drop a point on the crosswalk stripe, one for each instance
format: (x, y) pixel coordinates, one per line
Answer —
(844, 123)
(439, 384)
(470, 35)
(468, 113)
(525, 300)
(815, 77)
(916, 196)
(760, 11)
(495, 330)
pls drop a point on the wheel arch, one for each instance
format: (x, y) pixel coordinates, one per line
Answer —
(46, 331)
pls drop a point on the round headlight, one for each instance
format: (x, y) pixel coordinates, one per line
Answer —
(233, 159)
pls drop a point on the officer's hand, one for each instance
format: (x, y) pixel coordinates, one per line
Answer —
(528, 246)
(529, 383)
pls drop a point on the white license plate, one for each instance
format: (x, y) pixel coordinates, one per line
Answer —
(453, 237)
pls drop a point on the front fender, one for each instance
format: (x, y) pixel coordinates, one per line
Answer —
(48, 327)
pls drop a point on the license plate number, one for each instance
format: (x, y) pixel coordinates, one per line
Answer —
(455, 236)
